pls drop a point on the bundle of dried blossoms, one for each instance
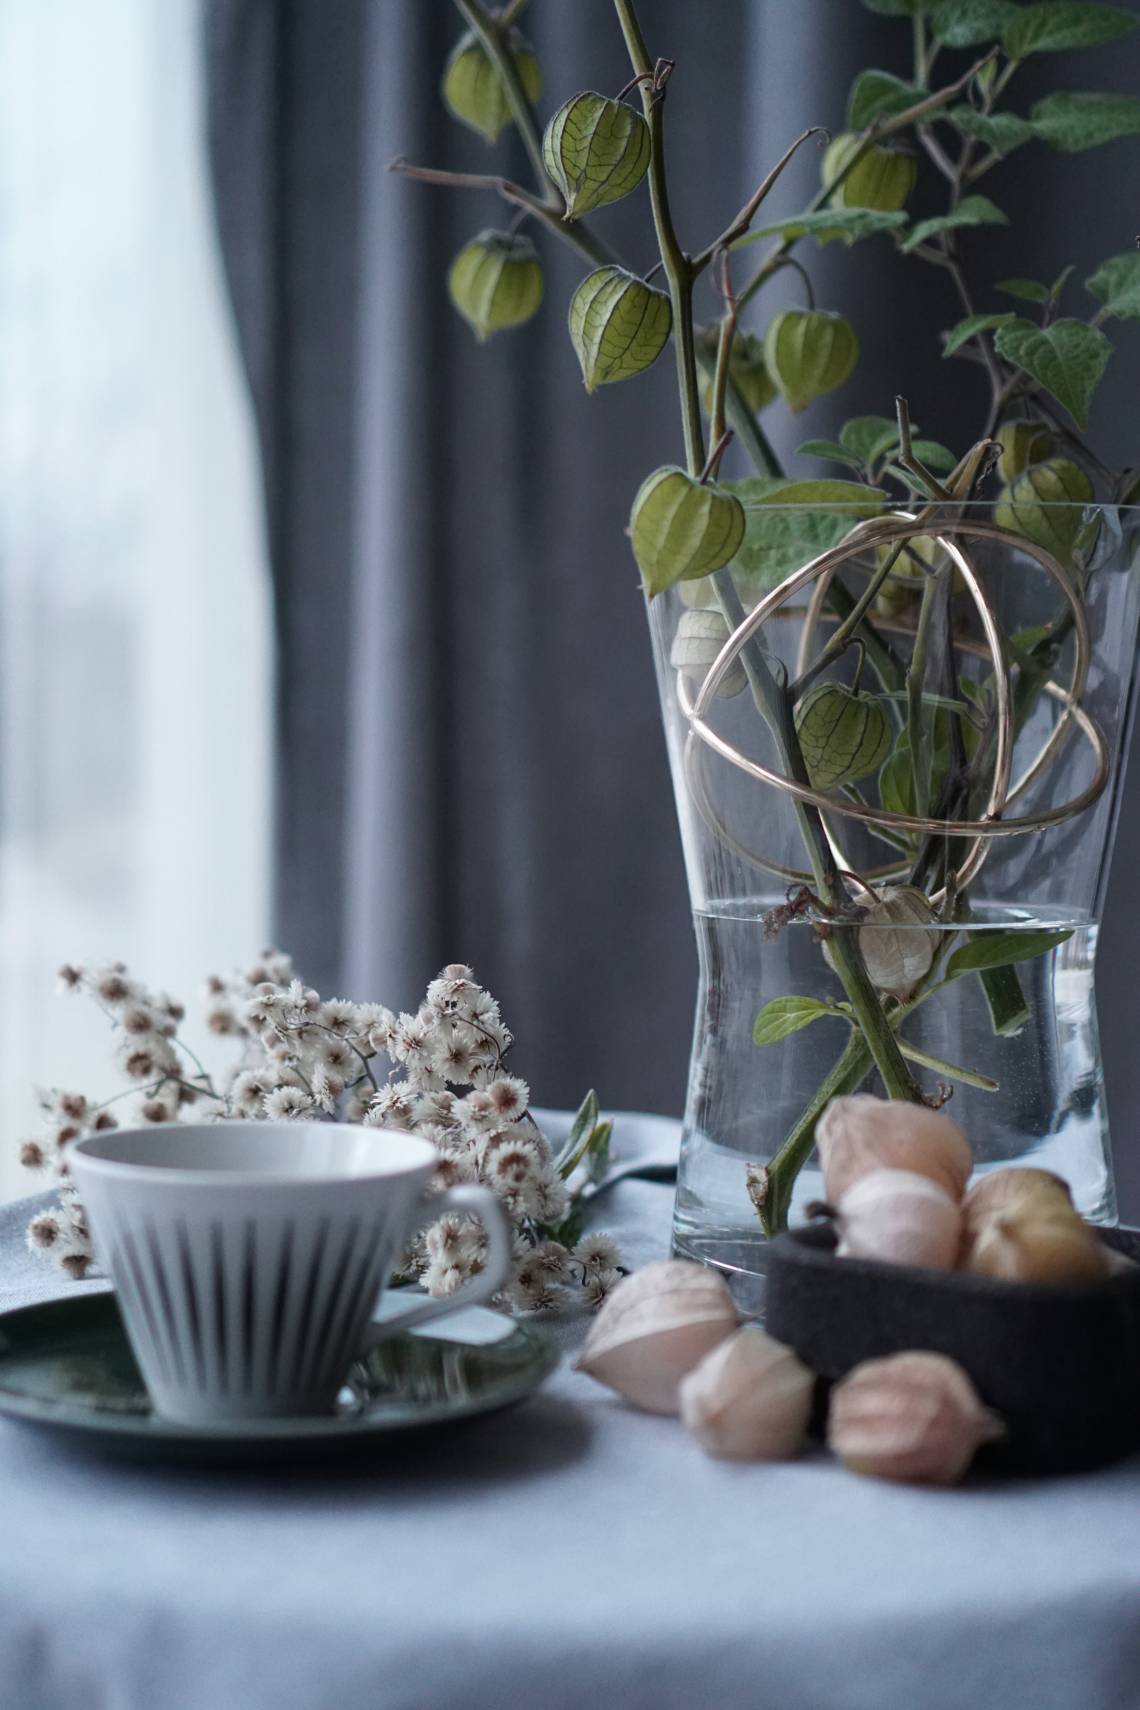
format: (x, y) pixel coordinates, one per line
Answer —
(303, 1057)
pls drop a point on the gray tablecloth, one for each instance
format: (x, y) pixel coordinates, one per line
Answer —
(569, 1555)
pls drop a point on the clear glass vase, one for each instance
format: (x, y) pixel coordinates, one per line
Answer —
(874, 889)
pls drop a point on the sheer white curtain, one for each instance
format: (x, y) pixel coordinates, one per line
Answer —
(135, 635)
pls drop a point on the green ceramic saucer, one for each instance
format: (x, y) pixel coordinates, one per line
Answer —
(66, 1368)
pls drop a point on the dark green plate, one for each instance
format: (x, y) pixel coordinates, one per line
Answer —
(66, 1368)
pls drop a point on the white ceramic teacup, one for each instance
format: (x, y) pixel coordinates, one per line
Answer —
(248, 1257)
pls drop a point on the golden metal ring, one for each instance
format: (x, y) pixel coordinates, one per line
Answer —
(883, 531)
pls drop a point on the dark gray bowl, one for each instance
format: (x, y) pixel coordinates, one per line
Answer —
(1060, 1362)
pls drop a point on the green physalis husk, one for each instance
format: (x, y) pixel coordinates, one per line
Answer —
(746, 366)
(809, 352)
(699, 639)
(619, 325)
(473, 90)
(844, 734)
(882, 179)
(1045, 505)
(1022, 443)
(681, 529)
(903, 583)
(595, 150)
(496, 281)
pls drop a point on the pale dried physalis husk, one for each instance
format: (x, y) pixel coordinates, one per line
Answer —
(1020, 1188)
(749, 1400)
(1036, 1249)
(1020, 1225)
(698, 641)
(897, 941)
(655, 1327)
(901, 1218)
(861, 1133)
(914, 1417)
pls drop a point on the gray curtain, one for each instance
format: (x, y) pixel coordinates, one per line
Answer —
(471, 762)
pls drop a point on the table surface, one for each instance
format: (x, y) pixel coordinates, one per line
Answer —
(568, 1554)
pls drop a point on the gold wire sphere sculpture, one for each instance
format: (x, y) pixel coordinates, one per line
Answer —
(892, 530)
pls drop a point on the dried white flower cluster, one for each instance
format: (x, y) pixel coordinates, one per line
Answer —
(302, 1056)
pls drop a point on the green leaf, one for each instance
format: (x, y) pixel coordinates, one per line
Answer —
(1029, 290)
(1001, 132)
(787, 1015)
(1116, 286)
(583, 1125)
(862, 500)
(1059, 283)
(896, 780)
(1000, 950)
(1070, 121)
(826, 223)
(1067, 358)
(777, 541)
(896, 8)
(973, 324)
(598, 1150)
(1059, 25)
(935, 455)
(1005, 1000)
(868, 437)
(878, 93)
(829, 449)
(965, 23)
(569, 1232)
(971, 211)
(1023, 641)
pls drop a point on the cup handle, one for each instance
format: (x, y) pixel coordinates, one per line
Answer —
(495, 1272)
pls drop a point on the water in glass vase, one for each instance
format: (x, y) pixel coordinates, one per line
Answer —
(1034, 1093)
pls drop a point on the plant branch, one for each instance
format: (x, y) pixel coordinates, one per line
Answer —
(723, 355)
(573, 232)
(747, 214)
(777, 1180)
(875, 132)
(492, 33)
(798, 267)
(678, 267)
(771, 699)
(937, 154)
